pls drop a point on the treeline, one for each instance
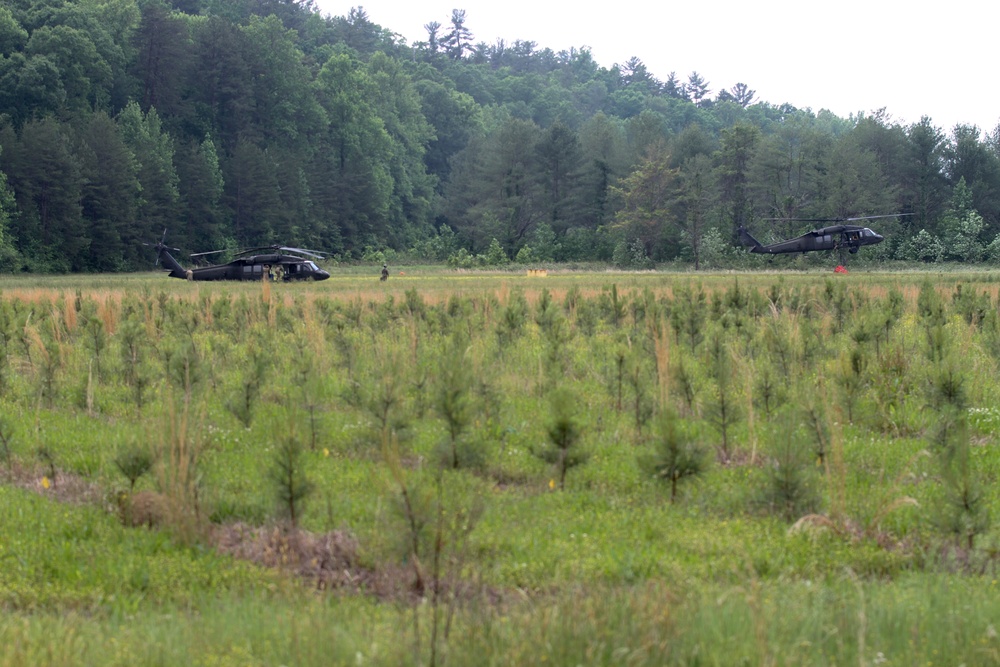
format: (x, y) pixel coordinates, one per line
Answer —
(231, 123)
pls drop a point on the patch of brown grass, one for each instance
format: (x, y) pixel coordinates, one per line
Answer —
(67, 487)
(329, 559)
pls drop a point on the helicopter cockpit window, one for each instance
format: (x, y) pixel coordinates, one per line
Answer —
(867, 232)
(312, 266)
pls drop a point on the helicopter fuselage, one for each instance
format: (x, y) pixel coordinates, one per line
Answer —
(850, 237)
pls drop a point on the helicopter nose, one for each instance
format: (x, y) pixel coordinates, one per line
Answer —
(320, 275)
(878, 238)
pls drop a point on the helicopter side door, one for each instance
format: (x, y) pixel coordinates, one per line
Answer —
(252, 272)
(826, 242)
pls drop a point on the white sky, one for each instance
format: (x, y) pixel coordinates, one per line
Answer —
(912, 58)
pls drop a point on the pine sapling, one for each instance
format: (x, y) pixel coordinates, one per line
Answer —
(133, 462)
(564, 434)
(677, 455)
(790, 484)
(291, 483)
(455, 405)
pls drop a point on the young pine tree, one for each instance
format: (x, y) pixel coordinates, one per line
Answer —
(790, 487)
(454, 404)
(677, 455)
(564, 432)
(723, 409)
(134, 462)
(963, 512)
(291, 484)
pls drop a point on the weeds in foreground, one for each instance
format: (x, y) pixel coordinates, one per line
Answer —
(6, 440)
(178, 456)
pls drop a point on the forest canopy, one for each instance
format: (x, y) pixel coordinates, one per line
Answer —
(231, 123)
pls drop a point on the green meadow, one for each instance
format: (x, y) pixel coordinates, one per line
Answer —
(492, 468)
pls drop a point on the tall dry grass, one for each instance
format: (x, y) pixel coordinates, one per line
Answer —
(178, 450)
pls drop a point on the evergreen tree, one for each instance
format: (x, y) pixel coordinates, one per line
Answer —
(696, 199)
(458, 39)
(739, 145)
(559, 158)
(110, 195)
(153, 149)
(162, 49)
(45, 176)
(963, 227)
(9, 257)
(603, 147)
(220, 100)
(351, 182)
(649, 195)
(697, 88)
(924, 186)
(252, 195)
(284, 110)
(201, 187)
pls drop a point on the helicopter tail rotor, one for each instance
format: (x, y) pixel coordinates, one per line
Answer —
(162, 250)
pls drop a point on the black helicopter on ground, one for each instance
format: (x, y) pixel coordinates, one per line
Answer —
(841, 236)
(247, 265)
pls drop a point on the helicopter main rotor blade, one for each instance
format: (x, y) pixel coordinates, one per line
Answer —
(210, 252)
(311, 253)
(863, 217)
(247, 251)
(876, 217)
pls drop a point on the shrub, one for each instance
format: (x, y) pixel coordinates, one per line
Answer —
(146, 508)
(922, 247)
(461, 259)
(495, 255)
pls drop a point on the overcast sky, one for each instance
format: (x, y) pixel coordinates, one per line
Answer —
(912, 58)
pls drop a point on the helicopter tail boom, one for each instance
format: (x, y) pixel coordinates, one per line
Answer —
(749, 241)
(169, 263)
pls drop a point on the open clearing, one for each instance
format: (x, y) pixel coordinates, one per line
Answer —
(492, 468)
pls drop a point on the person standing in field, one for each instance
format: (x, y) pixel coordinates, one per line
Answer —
(385, 273)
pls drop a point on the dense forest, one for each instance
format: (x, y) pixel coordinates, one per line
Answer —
(232, 123)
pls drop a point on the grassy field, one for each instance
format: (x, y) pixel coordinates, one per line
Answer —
(492, 468)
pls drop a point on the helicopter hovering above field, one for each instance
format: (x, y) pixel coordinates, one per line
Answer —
(247, 265)
(840, 236)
